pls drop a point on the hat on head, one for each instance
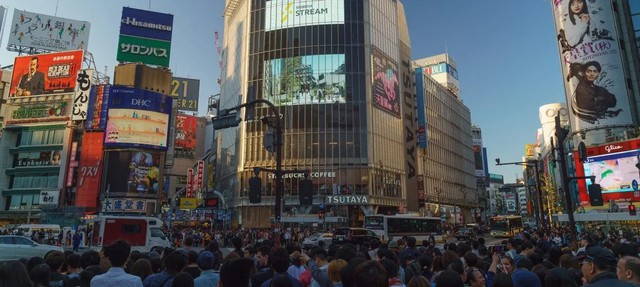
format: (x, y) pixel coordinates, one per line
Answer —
(393, 244)
(525, 278)
(206, 260)
(602, 257)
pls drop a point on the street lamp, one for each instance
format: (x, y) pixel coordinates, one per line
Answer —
(531, 163)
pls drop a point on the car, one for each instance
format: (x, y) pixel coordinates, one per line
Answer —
(356, 236)
(14, 247)
(316, 238)
(463, 232)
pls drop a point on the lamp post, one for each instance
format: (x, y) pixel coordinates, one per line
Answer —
(532, 163)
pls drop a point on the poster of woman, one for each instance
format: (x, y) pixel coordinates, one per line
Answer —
(595, 86)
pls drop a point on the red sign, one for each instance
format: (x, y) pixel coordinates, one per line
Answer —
(189, 182)
(90, 170)
(211, 202)
(45, 73)
(186, 129)
(199, 174)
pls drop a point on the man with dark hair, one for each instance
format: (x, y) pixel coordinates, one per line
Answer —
(89, 258)
(31, 83)
(174, 263)
(597, 262)
(264, 272)
(192, 264)
(279, 262)
(318, 265)
(237, 245)
(371, 274)
(74, 268)
(187, 244)
(628, 269)
(118, 254)
(236, 272)
(55, 260)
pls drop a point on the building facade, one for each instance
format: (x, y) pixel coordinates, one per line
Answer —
(337, 72)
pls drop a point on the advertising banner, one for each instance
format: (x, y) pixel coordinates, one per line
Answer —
(281, 14)
(510, 200)
(125, 205)
(186, 130)
(145, 36)
(38, 158)
(594, 80)
(37, 114)
(98, 105)
(422, 109)
(190, 182)
(188, 203)
(199, 174)
(137, 118)
(148, 51)
(45, 73)
(49, 197)
(81, 98)
(89, 170)
(385, 92)
(314, 79)
(529, 149)
(46, 32)
(188, 93)
(133, 173)
(477, 156)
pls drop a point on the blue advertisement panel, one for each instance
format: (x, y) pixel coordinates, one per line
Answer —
(137, 118)
(146, 24)
(422, 117)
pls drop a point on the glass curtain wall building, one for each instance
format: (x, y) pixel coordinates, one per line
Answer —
(331, 68)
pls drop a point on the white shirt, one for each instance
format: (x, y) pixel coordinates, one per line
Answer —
(116, 277)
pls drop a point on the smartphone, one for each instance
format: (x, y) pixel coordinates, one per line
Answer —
(498, 249)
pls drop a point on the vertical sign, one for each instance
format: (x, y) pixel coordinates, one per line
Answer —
(422, 109)
(189, 182)
(72, 163)
(81, 98)
(590, 57)
(199, 174)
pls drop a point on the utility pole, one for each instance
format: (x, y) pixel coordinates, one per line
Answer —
(560, 135)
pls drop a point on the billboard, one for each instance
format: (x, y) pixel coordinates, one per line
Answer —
(89, 170)
(313, 79)
(422, 110)
(186, 130)
(37, 113)
(614, 168)
(385, 92)
(128, 205)
(39, 158)
(45, 73)
(281, 14)
(529, 150)
(145, 36)
(510, 201)
(97, 108)
(133, 173)
(188, 93)
(137, 118)
(82, 95)
(477, 158)
(594, 80)
(46, 32)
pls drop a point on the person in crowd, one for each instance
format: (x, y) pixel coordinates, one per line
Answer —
(475, 277)
(448, 278)
(118, 254)
(192, 264)
(392, 272)
(264, 272)
(14, 274)
(628, 269)
(279, 263)
(597, 262)
(174, 263)
(187, 244)
(560, 277)
(209, 263)
(142, 268)
(88, 273)
(77, 238)
(372, 274)
(237, 272)
(335, 267)
(419, 281)
(237, 244)
(296, 267)
(522, 277)
(318, 266)
(55, 260)
(40, 275)
(182, 279)
(502, 280)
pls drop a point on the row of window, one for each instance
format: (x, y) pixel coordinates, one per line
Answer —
(35, 181)
(24, 202)
(41, 137)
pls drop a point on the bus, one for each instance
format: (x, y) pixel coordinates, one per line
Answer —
(506, 225)
(393, 227)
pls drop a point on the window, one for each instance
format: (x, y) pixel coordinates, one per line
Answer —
(23, 241)
(131, 228)
(6, 240)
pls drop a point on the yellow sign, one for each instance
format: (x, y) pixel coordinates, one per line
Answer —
(529, 149)
(188, 203)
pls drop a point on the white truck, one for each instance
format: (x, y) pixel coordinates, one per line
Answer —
(143, 233)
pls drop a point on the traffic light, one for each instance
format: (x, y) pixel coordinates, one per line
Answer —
(632, 210)
(305, 186)
(595, 195)
(255, 190)
(320, 216)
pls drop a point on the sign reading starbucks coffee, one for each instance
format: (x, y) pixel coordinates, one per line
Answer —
(346, 199)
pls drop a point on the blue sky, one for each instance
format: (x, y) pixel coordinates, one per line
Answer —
(505, 52)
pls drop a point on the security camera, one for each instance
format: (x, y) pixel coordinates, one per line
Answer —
(497, 161)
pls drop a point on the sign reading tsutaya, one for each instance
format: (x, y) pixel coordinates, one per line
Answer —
(346, 199)
(46, 32)
(280, 14)
(594, 80)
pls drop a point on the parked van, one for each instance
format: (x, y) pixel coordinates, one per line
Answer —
(143, 233)
(28, 229)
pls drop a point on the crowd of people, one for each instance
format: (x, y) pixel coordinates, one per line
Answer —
(531, 259)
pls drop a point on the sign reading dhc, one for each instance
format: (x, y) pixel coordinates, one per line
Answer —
(141, 102)
(346, 199)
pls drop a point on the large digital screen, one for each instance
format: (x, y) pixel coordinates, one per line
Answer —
(281, 14)
(614, 172)
(45, 73)
(137, 118)
(385, 91)
(46, 32)
(133, 173)
(315, 79)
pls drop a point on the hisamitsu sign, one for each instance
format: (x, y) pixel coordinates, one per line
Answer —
(346, 199)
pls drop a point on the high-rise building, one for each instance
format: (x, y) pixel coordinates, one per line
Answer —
(339, 74)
